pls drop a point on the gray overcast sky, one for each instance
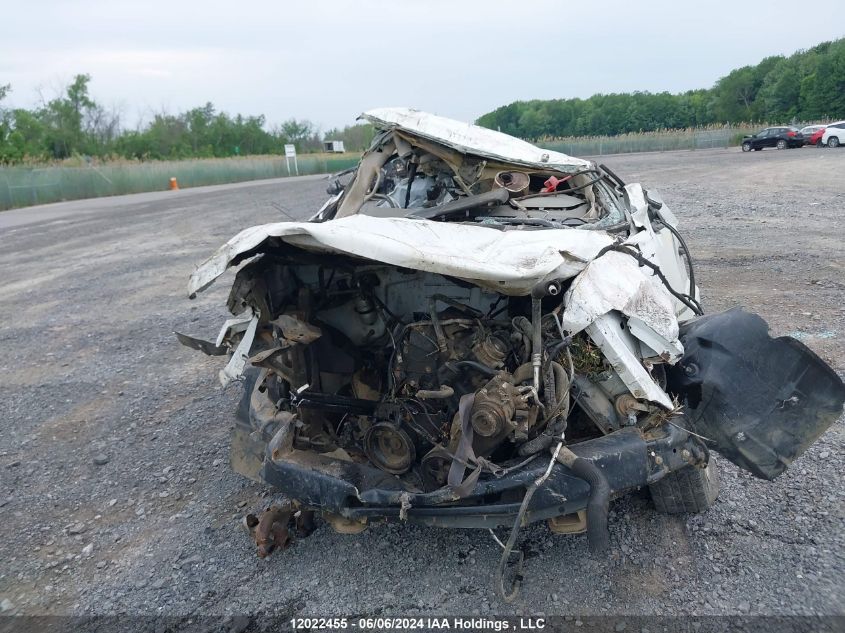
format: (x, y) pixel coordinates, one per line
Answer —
(328, 60)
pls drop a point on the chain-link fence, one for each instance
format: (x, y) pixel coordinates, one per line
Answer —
(659, 141)
(25, 186)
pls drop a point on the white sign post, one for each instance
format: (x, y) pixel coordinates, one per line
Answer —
(290, 152)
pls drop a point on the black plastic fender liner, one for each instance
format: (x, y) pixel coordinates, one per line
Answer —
(762, 401)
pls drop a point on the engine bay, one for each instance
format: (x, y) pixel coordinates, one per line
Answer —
(405, 175)
(422, 376)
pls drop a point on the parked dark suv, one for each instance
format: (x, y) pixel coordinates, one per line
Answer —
(780, 137)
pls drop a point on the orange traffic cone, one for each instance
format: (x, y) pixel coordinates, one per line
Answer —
(173, 184)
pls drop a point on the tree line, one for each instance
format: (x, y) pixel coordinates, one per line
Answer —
(72, 124)
(806, 86)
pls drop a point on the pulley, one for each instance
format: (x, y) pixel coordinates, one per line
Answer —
(389, 448)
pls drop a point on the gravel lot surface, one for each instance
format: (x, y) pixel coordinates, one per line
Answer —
(115, 490)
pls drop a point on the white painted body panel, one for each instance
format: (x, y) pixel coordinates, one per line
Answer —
(510, 262)
(472, 139)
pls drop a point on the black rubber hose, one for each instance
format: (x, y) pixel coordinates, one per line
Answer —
(554, 350)
(656, 206)
(561, 390)
(688, 301)
(598, 537)
(691, 266)
(484, 369)
(411, 178)
(607, 170)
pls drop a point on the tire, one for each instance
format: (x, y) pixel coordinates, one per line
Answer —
(782, 144)
(689, 490)
(819, 143)
(746, 147)
(833, 141)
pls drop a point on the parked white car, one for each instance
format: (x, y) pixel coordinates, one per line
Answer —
(834, 134)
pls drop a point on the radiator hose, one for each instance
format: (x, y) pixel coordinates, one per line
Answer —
(598, 537)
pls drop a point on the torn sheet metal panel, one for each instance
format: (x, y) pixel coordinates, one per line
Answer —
(510, 262)
(638, 207)
(666, 215)
(618, 348)
(234, 369)
(233, 326)
(472, 139)
(660, 247)
(615, 281)
(653, 343)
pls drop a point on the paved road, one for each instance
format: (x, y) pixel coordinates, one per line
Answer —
(90, 292)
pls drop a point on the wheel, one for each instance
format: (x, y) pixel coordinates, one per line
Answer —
(833, 141)
(781, 144)
(689, 490)
(819, 143)
(746, 147)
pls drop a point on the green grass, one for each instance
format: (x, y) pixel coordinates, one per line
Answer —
(23, 186)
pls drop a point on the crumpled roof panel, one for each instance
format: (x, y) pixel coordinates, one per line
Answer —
(472, 139)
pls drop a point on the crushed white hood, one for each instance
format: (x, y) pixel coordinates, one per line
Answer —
(472, 139)
(510, 262)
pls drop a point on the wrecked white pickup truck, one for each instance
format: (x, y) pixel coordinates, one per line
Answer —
(476, 332)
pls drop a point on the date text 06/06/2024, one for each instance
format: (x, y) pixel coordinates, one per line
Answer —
(419, 623)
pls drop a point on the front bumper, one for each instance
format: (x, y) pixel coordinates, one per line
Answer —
(628, 459)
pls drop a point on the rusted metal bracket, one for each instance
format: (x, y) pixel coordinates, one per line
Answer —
(271, 529)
